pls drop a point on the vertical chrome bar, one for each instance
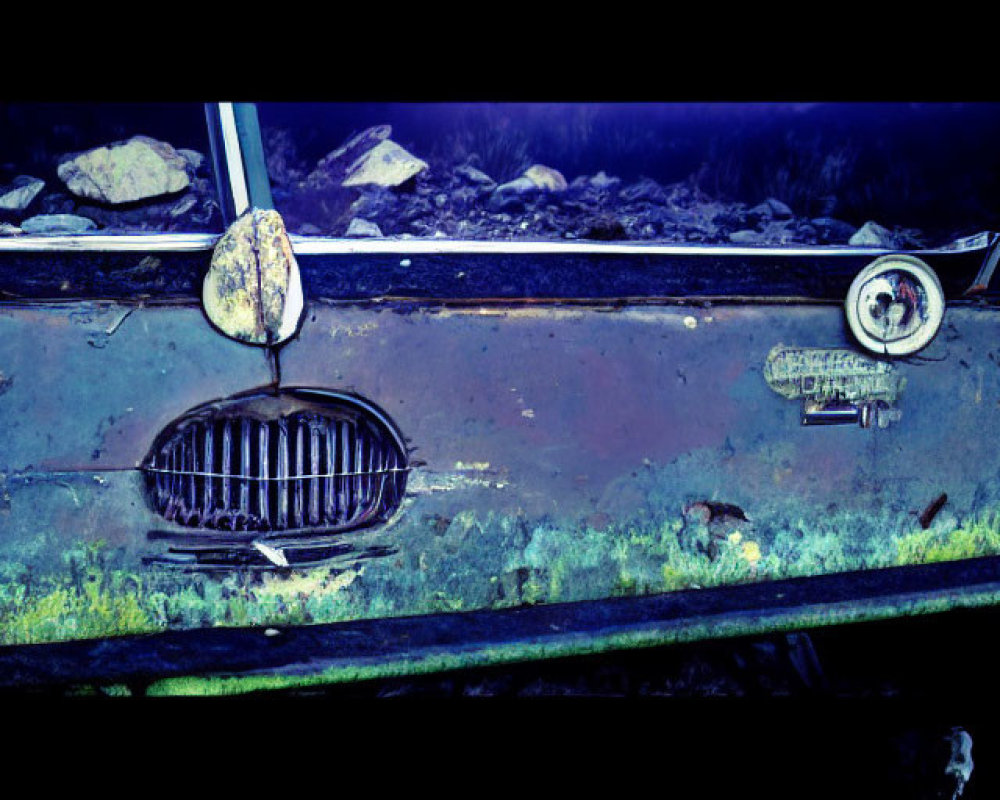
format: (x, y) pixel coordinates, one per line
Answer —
(186, 466)
(358, 467)
(281, 478)
(264, 485)
(343, 481)
(160, 462)
(329, 493)
(372, 477)
(245, 467)
(172, 475)
(193, 484)
(208, 500)
(297, 505)
(227, 460)
(397, 477)
(165, 456)
(314, 470)
(379, 476)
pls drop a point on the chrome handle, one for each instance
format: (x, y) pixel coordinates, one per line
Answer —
(862, 414)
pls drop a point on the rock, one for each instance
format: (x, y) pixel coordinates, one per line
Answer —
(518, 186)
(350, 151)
(193, 158)
(124, 172)
(546, 178)
(602, 227)
(362, 227)
(475, 177)
(57, 203)
(775, 232)
(510, 196)
(770, 209)
(374, 202)
(778, 209)
(252, 291)
(463, 199)
(18, 194)
(184, 205)
(745, 237)
(57, 223)
(645, 190)
(833, 230)
(284, 166)
(603, 183)
(871, 234)
(387, 164)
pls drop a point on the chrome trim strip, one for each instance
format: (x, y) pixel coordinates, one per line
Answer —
(313, 245)
(138, 242)
(234, 159)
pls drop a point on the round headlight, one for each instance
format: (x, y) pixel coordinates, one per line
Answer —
(895, 305)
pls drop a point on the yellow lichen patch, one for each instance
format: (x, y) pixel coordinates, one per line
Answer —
(751, 552)
(353, 330)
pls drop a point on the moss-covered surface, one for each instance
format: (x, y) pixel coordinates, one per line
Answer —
(470, 562)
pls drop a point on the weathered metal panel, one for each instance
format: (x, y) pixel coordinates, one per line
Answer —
(567, 453)
(87, 384)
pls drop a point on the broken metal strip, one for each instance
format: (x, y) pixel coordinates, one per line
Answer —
(989, 265)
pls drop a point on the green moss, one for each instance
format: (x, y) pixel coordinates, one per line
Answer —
(977, 536)
(476, 561)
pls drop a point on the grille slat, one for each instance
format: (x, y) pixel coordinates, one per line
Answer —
(297, 501)
(282, 485)
(245, 468)
(227, 460)
(329, 467)
(315, 468)
(263, 439)
(192, 495)
(208, 500)
(343, 491)
(314, 445)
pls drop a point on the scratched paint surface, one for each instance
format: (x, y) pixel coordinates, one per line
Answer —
(567, 454)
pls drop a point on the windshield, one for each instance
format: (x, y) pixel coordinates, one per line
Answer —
(896, 175)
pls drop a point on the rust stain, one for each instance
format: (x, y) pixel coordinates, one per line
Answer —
(932, 510)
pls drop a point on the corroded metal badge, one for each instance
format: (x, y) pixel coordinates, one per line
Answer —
(253, 291)
(829, 374)
(836, 386)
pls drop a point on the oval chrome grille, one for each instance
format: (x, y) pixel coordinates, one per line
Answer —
(299, 459)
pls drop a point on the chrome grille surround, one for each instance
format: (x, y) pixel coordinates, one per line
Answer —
(297, 460)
